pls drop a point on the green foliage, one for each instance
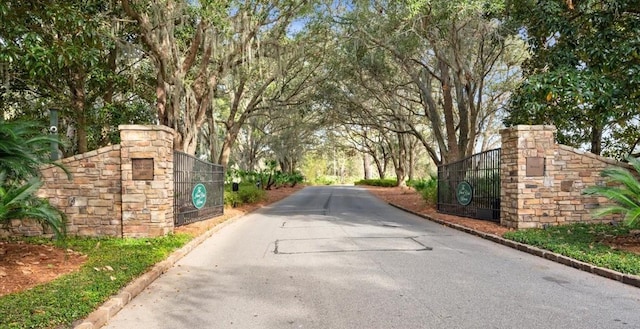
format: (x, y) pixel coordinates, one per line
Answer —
(247, 193)
(70, 55)
(582, 242)
(266, 178)
(295, 178)
(111, 264)
(18, 201)
(625, 193)
(323, 180)
(378, 182)
(23, 149)
(428, 189)
(584, 73)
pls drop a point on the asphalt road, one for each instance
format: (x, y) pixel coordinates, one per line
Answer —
(337, 257)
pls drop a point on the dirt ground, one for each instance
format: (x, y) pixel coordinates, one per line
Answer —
(408, 198)
(23, 266)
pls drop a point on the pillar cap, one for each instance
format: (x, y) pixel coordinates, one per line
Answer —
(145, 128)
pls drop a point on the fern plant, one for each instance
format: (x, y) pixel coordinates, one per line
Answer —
(625, 194)
(23, 149)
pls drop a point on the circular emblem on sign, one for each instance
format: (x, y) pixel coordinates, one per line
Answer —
(199, 196)
(464, 193)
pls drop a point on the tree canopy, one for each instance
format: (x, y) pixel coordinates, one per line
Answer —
(584, 71)
(391, 83)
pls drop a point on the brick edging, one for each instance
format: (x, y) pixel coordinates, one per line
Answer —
(629, 279)
(111, 307)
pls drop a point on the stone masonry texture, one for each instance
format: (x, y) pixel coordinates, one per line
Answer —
(147, 205)
(101, 198)
(90, 199)
(556, 197)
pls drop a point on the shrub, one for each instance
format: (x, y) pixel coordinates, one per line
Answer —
(295, 178)
(428, 189)
(378, 182)
(247, 193)
(625, 195)
(419, 184)
(23, 149)
(324, 180)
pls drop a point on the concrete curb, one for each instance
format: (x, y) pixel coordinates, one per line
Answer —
(629, 279)
(111, 307)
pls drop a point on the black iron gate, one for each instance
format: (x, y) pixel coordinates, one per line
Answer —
(471, 187)
(198, 189)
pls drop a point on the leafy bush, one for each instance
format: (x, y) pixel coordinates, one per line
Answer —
(418, 184)
(23, 149)
(295, 178)
(625, 194)
(323, 180)
(378, 182)
(428, 189)
(266, 178)
(247, 193)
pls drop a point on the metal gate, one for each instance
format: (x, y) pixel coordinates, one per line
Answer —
(471, 187)
(198, 189)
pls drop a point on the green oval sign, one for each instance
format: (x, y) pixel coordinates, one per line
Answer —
(199, 196)
(464, 193)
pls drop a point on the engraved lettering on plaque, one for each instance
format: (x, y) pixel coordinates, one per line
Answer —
(142, 169)
(535, 167)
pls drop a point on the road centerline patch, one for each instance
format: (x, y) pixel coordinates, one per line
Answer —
(347, 244)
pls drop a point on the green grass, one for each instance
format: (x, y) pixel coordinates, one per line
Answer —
(111, 264)
(581, 242)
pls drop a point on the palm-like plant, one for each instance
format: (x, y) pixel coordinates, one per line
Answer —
(23, 149)
(17, 201)
(625, 194)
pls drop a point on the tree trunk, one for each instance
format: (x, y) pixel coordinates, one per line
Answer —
(366, 161)
(412, 160)
(596, 139)
(379, 166)
(76, 84)
(213, 138)
(227, 145)
(448, 109)
(401, 177)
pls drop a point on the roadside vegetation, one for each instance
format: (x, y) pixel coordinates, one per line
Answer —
(251, 185)
(427, 187)
(625, 193)
(246, 193)
(111, 264)
(23, 149)
(596, 243)
(589, 243)
(378, 182)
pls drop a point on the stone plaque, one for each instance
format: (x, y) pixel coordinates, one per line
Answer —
(535, 166)
(142, 169)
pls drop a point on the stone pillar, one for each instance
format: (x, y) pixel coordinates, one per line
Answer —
(147, 180)
(526, 164)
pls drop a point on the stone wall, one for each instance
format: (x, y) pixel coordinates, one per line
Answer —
(104, 197)
(90, 199)
(534, 196)
(147, 204)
